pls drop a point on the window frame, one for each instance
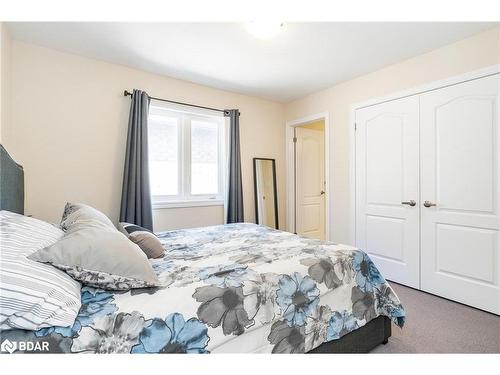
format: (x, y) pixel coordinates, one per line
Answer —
(184, 198)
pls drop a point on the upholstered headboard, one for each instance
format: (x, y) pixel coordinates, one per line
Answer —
(11, 183)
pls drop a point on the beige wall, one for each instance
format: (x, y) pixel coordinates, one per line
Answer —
(189, 217)
(2, 32)
(469, 54)
(5, 77)
(69, 125)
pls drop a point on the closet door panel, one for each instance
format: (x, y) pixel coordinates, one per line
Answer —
(386, 176)
(460, 169)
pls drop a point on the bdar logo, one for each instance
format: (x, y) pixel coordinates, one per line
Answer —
(24, 346)
(8, 346)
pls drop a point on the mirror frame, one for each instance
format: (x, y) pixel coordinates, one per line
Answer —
(275, 190)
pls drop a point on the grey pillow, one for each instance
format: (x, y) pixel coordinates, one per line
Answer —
(75, 213)
(144, 238)
(101, 257)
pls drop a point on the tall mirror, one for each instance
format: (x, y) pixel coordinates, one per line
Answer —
(266, 200)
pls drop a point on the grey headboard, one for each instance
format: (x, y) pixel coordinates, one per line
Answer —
(11, 183)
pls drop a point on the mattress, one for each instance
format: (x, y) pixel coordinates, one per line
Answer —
(231, 288)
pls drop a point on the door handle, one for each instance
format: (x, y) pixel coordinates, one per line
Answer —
(429, 204)
(322, 192)
(410, 203)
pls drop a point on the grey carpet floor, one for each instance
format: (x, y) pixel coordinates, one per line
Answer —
(437, 325)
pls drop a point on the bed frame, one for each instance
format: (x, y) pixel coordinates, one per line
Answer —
(362, 340)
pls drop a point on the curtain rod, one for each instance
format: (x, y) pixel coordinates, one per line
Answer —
(127, 93)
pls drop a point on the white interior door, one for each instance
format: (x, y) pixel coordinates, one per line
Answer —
(310, 182)
(387, 187)
(460, 171)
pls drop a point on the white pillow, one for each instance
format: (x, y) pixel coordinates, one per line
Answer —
(32, 295)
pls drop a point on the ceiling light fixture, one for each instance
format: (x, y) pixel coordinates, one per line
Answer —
(264, 30)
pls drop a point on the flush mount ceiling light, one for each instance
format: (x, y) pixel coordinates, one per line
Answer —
(263, 29)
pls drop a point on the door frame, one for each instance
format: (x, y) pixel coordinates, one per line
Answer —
(290, 170)
(435, 85)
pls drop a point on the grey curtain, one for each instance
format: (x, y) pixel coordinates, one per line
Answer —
(234, 207)
(136, 193)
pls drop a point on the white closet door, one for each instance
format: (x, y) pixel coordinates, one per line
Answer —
(460, 171)
(387, 180)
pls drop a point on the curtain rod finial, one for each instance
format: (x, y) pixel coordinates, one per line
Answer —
(126, 93)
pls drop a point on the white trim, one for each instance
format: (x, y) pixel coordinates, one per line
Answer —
(184, 122)
(435, 85)
(187, 109)
(290, 171)
(190, 203)
(352, 178)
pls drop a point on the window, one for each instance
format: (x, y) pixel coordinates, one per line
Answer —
(186, 157)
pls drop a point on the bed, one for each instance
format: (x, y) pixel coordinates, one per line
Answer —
(235, 288)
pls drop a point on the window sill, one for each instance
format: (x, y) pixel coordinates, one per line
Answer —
(184, 204)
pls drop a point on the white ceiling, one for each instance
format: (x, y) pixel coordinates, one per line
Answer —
(303, 58)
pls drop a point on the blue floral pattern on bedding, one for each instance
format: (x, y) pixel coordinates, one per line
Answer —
(232, 288)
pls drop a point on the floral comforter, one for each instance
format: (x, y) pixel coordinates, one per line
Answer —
(231, 288)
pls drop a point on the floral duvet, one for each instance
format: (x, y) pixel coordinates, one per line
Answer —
(231, 288)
